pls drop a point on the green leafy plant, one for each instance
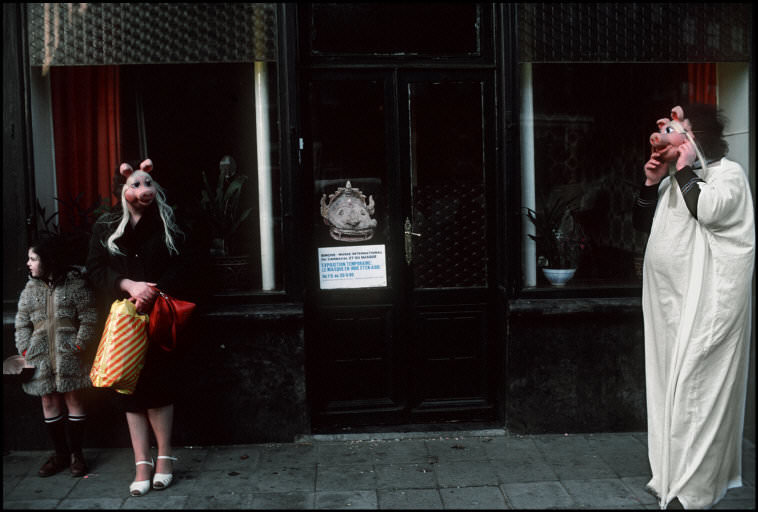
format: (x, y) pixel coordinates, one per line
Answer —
(222, 204)
(559, 244)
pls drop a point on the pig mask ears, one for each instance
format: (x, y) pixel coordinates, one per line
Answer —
(126, 170)
(677, 114)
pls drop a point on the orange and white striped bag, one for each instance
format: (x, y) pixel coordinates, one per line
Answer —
(121, 353)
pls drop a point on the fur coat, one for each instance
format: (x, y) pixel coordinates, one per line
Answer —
(54, 327)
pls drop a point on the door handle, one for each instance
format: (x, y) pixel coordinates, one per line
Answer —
(409, 234)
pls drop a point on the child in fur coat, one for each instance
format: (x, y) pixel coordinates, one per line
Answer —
(55, 323)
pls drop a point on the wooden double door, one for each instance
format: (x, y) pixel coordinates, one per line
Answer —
(400, 257)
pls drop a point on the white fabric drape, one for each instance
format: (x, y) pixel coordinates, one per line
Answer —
(696, 304)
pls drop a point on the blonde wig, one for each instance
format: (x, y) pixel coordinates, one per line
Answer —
(170, 228)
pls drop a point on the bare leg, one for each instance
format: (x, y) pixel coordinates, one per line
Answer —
(162, 421)
(75, 402)
(139, 431)
(52, 405)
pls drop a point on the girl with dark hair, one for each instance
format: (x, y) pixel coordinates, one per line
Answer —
(55, 322)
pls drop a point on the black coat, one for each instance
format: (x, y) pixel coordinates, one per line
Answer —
(145, 258)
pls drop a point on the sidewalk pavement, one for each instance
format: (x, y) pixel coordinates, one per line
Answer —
(442, 470)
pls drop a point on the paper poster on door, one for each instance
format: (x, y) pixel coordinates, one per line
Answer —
(361, 266)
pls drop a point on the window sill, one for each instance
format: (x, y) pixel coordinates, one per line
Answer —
(573, 305)
(280, 311)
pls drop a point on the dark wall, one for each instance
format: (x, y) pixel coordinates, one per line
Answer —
(16, 178)
(575, 365)
(243, 377)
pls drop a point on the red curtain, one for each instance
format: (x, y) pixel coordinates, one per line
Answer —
(702, 82)
(86, 129)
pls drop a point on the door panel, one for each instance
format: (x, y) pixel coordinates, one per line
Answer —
(447, 184)
(449, 152)
(416, 144)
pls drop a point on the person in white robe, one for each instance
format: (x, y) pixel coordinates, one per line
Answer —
(696, 303)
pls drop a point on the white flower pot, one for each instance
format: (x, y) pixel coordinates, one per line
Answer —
(558, 276)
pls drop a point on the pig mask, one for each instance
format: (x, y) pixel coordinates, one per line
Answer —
(671, 134)
(139, 190)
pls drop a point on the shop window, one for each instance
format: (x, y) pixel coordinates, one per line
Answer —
(594, 78)
(190, 86)
(585, 138)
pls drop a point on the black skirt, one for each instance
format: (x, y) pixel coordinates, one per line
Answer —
(157, 385)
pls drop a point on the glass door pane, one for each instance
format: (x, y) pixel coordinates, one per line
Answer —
(447, 184)
(350, 182)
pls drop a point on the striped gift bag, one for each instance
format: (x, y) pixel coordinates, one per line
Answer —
(121, 353)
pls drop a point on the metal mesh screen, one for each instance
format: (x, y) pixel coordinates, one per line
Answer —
(632, 32)
(452, 251)
(146, 33)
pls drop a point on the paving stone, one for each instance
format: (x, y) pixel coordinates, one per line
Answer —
(10, 483)
(220, 500)
(91, 503)
(466, 473)
(741, 493)
(637, 484)
(542, 471)
(372, 452)
(572, 457)
(601, 493)
(189, 459)
(735, 505)
(624, 454)
(405, 476)
(34, 487)
(110, 461)
(447, 450)
(207, 483)
(748, 464)
(295, 454)
(346, 452)
(284, 501)
(409, 499)
(345, 477)
(155, 501)
(489, 497)
(346, 500)
(399, 451)
(285, 479)
(111, 485)
(537, 495)
(510, 446)
(21, 463)
(43, 504)
(526, 471)
(236, 458)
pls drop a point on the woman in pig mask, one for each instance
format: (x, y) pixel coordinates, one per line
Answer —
(130, 253)
(696, 293)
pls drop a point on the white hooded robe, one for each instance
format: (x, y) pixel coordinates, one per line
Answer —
(696, 298)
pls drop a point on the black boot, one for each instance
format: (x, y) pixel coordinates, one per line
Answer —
(60, 461)
(75, 435)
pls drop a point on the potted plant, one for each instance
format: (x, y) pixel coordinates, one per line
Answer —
(221, 204)
(559, 240)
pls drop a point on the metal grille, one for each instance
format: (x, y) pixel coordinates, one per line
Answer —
(631, 32)
(146, 33)
(452, 250)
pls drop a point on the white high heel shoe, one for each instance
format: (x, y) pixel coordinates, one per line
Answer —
(163, 480)
(140, 488)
